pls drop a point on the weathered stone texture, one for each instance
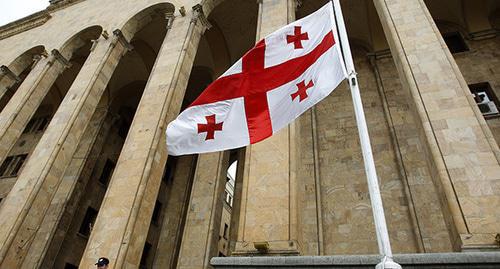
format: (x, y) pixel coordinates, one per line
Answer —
(347, 216)
(423, 194)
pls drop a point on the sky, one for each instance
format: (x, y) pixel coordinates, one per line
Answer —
(11, 10)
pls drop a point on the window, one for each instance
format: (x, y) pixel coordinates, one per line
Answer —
(168, 173)
(455, 42)
(228, 198)
(486, 99)
(12, 164)
(107, 171)
(145, 254)
(36, 125)
(70, 266)
(123, 129)
(88, 222)
(156, 213)
(224, 234)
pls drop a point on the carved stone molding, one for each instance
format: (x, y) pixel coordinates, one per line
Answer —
(59, 4)
(57, 56)
(119, 37)
(24, 24)
(170, 19)
(199, 15)
(5, 71)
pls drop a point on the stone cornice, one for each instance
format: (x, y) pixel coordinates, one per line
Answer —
(60, 4)
(35, 19)
(24, 24)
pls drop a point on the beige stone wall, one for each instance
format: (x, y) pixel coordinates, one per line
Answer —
(422, 196)
(347, 217)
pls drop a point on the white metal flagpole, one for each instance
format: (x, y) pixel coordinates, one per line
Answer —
(371, 174)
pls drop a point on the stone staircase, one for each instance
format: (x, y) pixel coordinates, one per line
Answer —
(483, 260)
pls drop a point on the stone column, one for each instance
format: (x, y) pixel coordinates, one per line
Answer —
(30, 94)
(50, 235)
(462, 153)
(7, 80)
(122, 224)
(268, 206)
(177, 201)
(28, 201)
(201, 231)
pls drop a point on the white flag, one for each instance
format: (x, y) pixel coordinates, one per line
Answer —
(285, 74)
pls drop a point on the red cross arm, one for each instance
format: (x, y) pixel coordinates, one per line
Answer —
(258, 81)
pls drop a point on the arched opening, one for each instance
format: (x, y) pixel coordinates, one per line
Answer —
(20, 68)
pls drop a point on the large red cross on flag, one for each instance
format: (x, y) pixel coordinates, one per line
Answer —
(280, 78)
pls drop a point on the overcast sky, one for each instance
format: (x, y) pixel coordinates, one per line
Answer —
(11, 10)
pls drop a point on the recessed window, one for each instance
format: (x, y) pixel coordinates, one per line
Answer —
(38, 124)
(168, 173)
(226, 228)
(12, 165)
(455, 42)
(485, 99)
(107, 171)
(88, 222)
(70, 266)
(156, 213)
(145, 255)
(123, 128)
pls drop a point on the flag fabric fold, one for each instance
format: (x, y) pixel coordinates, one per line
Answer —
(285, 74)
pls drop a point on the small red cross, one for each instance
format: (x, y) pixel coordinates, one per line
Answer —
(210, 127)
(253, 83)
(297, 38)
(302, 90)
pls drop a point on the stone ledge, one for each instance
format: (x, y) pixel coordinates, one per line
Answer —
(431, 260)
(24, 24)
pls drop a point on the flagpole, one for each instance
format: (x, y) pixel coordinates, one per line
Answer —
(371, 174)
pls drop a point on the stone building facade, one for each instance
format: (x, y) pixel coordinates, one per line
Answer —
(87, 88)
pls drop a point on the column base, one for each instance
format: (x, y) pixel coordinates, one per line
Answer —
(274, 248)
(480, 242)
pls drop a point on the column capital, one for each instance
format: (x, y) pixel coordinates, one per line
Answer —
(55, 55)
(5, 71)
(170, 17)
(119, 37)
(198, 14)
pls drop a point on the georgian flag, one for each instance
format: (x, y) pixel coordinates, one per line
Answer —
(285, 74)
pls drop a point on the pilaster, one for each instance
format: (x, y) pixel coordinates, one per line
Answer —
(201, 233)
(178, 201)
(129, 201)
(461, 152)
(268, 213)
